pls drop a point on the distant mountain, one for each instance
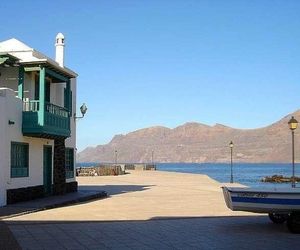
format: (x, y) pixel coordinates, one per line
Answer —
(195, 142)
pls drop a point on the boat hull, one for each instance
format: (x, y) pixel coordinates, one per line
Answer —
(262, 200)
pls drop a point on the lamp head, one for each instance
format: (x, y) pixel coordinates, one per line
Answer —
(293, 123)
(83, 109)
(231, 144)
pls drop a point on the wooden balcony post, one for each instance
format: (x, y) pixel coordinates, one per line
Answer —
(41, 112)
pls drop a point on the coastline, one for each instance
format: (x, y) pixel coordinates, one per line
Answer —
(247, 174)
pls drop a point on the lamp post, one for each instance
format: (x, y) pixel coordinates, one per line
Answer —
(116, 157)
(152, 157)
(293, 124)
(231, 174)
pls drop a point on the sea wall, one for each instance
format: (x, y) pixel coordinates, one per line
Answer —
(102, 170)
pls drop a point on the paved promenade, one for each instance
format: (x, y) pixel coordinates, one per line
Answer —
(150, 210)
(144, 195)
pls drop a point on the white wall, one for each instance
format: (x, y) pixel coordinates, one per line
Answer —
(11, 109)
(14, 132)
(3, 149)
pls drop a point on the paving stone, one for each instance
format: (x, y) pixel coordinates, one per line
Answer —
(161, 225)
(7, 239)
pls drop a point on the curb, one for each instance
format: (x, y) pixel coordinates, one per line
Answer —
(99, 195)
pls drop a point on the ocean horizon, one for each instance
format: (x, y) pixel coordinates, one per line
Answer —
(249, 174)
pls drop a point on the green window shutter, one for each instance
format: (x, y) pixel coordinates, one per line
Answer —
(68, 100)
(47, 91)
(69, 164)
(19, 159)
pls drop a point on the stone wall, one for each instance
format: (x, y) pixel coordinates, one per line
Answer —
(34, 192)
(101, 170)
(59, 170)
(71, 187)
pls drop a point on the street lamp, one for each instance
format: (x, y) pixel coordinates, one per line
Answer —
(83, 110)
(293, 124)
(231, 174)
(152, 157)
(116, 157)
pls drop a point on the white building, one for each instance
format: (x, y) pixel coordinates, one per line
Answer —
(37, 123)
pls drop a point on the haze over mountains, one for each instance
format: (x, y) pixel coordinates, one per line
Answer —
(198, 143)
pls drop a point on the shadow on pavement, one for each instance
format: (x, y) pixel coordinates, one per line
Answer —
(85, 194)
(7, 240)
(116, 189)
(243, 232)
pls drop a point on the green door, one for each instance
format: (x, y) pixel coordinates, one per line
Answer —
(47, 169)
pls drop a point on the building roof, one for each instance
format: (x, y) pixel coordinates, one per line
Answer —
(29, 56)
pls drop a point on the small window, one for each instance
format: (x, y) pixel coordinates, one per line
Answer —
(69, 163)
(19, 159)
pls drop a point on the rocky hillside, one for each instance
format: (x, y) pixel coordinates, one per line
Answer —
(195, 142)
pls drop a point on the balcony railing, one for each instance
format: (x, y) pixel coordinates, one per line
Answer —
(56, 110)
(56, 122)
(32, 106)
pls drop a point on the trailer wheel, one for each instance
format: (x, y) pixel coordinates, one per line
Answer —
(293, 222)
(278, 218)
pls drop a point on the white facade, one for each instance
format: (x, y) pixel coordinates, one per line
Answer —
(11, 112)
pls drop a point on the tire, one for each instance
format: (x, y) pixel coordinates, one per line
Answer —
(293, 222)
(278, 218)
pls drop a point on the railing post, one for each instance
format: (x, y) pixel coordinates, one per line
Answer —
(41, 112)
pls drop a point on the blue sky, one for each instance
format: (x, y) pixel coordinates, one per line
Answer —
(147, 63)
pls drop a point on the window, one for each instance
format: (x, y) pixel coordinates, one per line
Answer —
(69, 163)
(19, 159)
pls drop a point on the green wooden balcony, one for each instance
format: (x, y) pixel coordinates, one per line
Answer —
(52, 122)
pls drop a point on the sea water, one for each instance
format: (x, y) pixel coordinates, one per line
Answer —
(244, 173)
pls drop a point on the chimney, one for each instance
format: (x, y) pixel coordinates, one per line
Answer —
(59, 51)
